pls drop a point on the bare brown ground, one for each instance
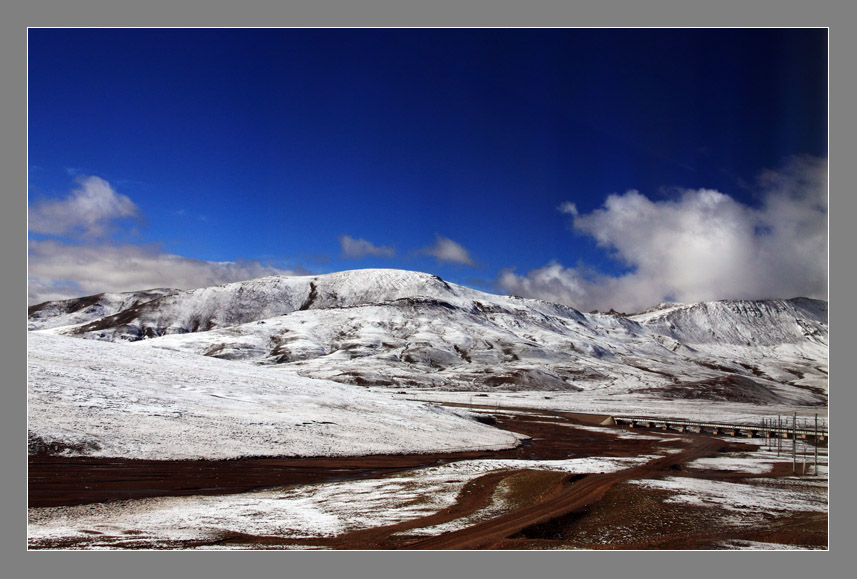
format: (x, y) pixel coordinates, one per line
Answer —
(597, 511)
(632, 517)
(60, 481)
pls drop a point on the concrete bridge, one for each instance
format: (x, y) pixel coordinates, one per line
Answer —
(722, 429)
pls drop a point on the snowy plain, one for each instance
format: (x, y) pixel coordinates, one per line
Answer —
(105, 399)
(620, 402)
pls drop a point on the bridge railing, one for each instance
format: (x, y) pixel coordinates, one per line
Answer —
(781, 429)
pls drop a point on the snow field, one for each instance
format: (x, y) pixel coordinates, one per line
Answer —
(120, 401)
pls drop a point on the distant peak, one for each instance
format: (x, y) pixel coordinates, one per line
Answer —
(660, 307)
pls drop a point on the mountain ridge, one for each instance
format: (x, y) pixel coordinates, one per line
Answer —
(410, 329)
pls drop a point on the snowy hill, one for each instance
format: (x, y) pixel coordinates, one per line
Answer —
(180, 312)
(408, 329)
(102, 399)
(740, 322)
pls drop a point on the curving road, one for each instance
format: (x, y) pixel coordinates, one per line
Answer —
(567, 498)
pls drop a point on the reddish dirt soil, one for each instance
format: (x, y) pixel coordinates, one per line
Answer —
(59, 481)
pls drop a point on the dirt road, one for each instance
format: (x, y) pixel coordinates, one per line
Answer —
(570, 496)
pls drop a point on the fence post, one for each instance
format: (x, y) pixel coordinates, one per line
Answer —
(779, 435)
(816, 444)
(794, 443)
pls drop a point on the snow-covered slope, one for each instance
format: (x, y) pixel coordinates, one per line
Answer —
(87, 309)
(740, 322)
(101, 399)
(401, 329)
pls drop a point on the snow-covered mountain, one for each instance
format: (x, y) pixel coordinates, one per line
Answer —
(408, 329)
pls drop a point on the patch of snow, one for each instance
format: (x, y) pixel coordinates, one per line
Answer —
(739, 497)
(742, 545)
(731, 463)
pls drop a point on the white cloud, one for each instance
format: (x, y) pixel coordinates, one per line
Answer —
(359, 248)
(567, 207)
(87, 211)
(704, 245)
(445, 249)
(59, 271)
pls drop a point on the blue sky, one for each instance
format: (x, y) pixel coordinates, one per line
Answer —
(596, 167)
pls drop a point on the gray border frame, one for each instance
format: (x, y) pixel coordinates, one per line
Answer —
(389, 13)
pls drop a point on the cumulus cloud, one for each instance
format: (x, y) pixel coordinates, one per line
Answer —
(445, 249)
(359, 248)
(59, 271)
(89, 211)
(704, 245)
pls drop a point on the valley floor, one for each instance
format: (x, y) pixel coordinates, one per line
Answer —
(573, 485)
